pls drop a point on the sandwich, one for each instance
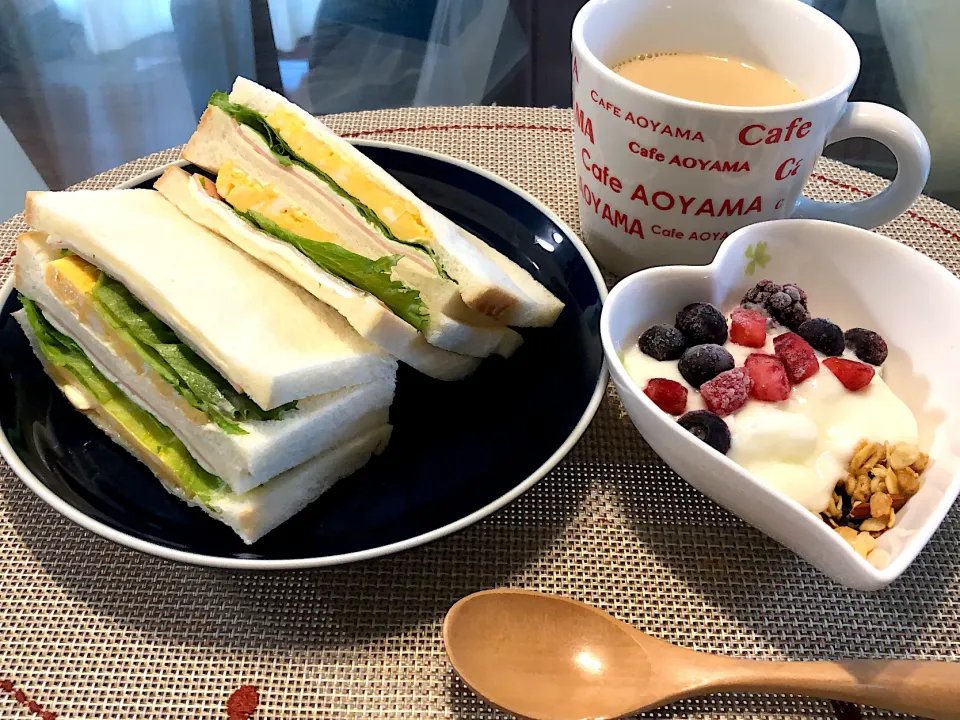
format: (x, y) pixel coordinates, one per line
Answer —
(308, 199)
(244, 394)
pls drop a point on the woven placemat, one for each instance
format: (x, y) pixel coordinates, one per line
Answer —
(92, 630)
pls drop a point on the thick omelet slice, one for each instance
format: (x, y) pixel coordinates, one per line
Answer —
(397, 213)
(245, 193)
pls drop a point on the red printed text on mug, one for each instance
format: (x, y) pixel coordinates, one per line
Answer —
(690, 162)
(757, 133)
(642, 121)
(690, 205)
(584, 123)
(788, 168)
(603, 209)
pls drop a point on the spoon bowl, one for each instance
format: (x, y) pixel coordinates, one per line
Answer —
(598, 663)
(546, 657)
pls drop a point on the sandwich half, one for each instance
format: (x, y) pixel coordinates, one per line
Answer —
(275, 161)
(380, 309)
(244, 394)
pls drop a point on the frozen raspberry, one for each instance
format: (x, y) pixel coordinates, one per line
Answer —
(770, 382)
(727, 392)
(701, 323)
(823, 335)
(868, 345)
(704, 362)
(668, 395)
(709, 428)
(662, 342)
(748, 328)
(852, 375)
(797, 356)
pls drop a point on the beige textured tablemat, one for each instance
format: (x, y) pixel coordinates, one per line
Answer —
(92, 630)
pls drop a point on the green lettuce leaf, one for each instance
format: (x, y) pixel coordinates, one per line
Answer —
(194, 379)
(286, 156)
(372, 276)
(62, 351)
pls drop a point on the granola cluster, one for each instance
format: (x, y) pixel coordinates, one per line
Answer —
(880, 479)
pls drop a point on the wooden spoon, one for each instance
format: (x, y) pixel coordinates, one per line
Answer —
(546, 657)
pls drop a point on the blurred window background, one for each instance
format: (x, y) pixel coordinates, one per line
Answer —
(86, 85)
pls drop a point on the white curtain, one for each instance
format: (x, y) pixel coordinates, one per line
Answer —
(114, 24)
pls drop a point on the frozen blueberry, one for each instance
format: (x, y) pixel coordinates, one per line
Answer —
(704, 362)
(662, 342)
(708, 427)
(822, 335)
(702, 323)
(868, 345)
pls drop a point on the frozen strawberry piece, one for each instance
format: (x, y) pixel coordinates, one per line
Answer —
(748, 328)
(797, 356)
(668, 395)
(727, 392)
(770, 382)
(852, 375)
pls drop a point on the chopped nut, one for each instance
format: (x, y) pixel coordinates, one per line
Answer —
(880, 505)
(849, 485)
(873, 524)
(847, 533)
(867, 456)
(879, 558)
(920, 464)
(880, 479)
(908, 481)
(864, 543)
(893, 487)
(903, 455)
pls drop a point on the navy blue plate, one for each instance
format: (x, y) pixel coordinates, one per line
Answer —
(459, 451)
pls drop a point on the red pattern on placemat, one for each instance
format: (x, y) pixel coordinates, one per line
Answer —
(428, 128)
(21, 698)
(909, 213)
(8, 258)
(243, 703)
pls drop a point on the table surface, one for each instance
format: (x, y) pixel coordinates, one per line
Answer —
(92, 630)
(86, 85)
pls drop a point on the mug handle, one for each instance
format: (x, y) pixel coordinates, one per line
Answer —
(908, 145)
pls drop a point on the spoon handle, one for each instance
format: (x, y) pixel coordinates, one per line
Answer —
(930, 689)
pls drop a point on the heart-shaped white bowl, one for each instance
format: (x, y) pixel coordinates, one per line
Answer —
(856, 278)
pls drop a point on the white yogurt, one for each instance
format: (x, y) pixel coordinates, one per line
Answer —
(800, 446)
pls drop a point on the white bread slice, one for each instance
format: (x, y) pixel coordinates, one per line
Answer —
(368, 316)
(545, 308)
(221, 144)
(490, 283)
(267, 337)
(242, 461)
(252, 514)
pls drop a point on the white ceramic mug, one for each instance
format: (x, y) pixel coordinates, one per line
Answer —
(663, 180)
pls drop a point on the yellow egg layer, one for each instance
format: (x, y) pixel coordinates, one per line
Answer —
(397, 213)
(245, 194)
